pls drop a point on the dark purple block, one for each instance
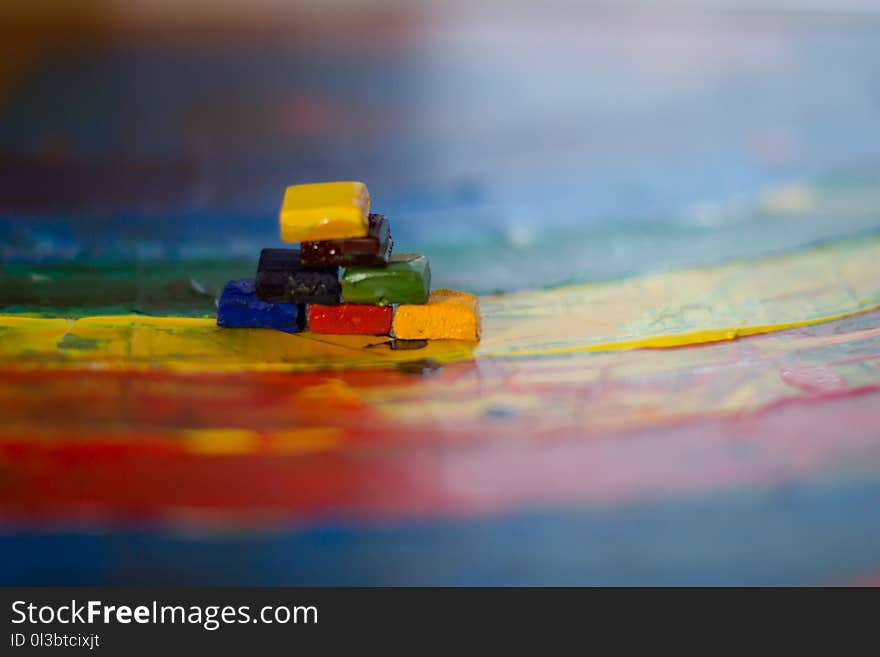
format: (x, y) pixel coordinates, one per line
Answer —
(281, 278)
(370, 251)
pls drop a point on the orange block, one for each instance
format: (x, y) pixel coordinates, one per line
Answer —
(448, 315)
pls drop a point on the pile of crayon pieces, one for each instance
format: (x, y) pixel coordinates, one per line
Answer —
(344, 279)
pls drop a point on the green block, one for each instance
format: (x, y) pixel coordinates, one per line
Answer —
(406, 279)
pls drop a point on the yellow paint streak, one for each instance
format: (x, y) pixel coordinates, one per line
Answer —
(221, 441)
(137, 342)
(224, 441)
(686, 307)
(335, 391)
(683, 339)
(24, 337)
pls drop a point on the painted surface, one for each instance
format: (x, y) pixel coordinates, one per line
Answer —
(738, 247)
(444, 464)
(679, 308)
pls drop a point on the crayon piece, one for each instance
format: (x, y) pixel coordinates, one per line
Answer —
(281, 278)
(370, 251)
(350, 319)
(239, 307)
(406, 279)
(324, 211)
(448, 315)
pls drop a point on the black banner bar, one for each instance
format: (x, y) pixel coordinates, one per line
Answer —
(113, 621)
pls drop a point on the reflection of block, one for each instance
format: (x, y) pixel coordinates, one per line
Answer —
(350, 319)
(370, 251)
(324, 211)
(448, 315)
(406, 279)
(239, 307)
(282, 279)
(408, 345)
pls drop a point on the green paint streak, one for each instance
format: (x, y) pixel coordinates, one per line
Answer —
(406, 279)
(77, 289)
(70, 341)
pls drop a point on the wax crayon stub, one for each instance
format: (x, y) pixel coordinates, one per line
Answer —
(406, 279)
(448, 315)
(239, 307)
(350, 319)
(281, 278)
(370, 251)
(324, 211)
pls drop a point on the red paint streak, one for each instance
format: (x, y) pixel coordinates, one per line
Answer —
(815, 379)
(143, 478)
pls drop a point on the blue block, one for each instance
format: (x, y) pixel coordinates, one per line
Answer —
(239, 307)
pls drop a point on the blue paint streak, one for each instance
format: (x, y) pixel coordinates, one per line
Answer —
(802, 534)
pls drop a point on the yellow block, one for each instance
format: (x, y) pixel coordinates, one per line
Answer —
(448, 315)
(325, 211)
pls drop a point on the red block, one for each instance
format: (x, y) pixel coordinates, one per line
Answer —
(350, 319)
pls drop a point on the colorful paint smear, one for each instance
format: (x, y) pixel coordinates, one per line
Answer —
(583, 443)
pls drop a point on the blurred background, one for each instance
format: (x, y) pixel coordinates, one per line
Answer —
(501, 137)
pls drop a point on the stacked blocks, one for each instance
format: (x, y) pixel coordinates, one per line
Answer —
(345, 274)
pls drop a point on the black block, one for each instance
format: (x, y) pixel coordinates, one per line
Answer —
(282, 278)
